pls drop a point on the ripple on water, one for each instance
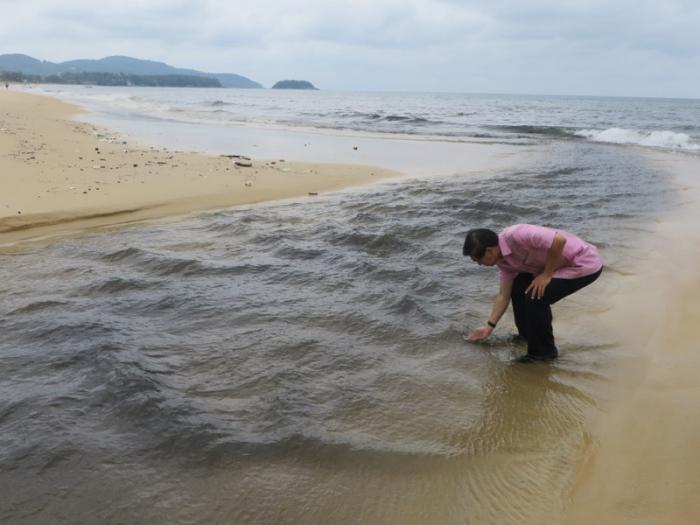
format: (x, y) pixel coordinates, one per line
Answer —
(294, 353)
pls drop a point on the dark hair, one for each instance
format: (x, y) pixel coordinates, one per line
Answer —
(477, 241)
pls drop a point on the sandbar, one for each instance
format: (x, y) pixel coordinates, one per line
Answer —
(61, 176)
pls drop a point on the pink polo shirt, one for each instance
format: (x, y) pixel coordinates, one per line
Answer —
(524, 248)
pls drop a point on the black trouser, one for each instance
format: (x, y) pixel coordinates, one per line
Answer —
(533, 317)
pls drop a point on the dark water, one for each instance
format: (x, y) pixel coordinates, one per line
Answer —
(303, 362)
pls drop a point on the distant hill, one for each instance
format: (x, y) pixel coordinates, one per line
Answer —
(27, 65)
(294, 84)
(116, 65)
(112, 79)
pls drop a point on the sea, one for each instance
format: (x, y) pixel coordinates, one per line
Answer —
(304, 361)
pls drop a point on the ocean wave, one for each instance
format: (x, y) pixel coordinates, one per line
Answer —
(157, 265)
(116, 285)
(376, 244)
(656, 139)
(381, 117)
(553, 131)
(124, 254)
(61, 332)
(38, 306)
(296, 252)
(408, 303)
(406, 118)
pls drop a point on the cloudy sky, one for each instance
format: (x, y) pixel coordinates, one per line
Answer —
(587, 47)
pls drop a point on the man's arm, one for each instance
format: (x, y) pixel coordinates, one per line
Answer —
(499, 307)
(554, 259)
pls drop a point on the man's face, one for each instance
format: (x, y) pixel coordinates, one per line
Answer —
(490, 257)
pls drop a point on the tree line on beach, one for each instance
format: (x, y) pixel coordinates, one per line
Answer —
(111, 79)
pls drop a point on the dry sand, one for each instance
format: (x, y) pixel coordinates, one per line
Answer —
(644, 463)
(58, 176)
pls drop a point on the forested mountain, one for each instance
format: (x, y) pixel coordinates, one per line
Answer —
(115, 65)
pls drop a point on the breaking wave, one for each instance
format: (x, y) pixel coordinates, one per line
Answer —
(656, 139)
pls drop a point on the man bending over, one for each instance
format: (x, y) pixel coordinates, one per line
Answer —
(538, 266)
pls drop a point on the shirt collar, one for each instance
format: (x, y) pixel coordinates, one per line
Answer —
(503, 245)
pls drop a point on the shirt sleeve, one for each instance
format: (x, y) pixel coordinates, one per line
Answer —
(507, 276)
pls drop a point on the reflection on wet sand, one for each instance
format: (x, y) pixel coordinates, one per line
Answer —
(643, 467)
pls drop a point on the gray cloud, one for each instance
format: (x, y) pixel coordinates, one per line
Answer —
(542, 46)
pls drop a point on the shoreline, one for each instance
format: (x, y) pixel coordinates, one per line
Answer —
(639, 466)
(64, 176)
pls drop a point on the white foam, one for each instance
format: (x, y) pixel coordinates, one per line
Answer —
(656, 139)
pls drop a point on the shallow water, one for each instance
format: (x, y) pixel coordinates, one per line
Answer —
(304, 362)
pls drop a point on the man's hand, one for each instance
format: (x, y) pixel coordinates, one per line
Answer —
(480, 333)
(538, 286)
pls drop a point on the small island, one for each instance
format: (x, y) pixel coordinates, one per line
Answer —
(294, 84)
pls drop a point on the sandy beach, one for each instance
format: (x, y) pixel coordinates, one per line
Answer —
(637, 463)
(236, 283)
(642, 465)
(61, 176)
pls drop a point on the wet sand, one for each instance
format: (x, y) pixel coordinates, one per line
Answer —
(61, 176)
(642, 465)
